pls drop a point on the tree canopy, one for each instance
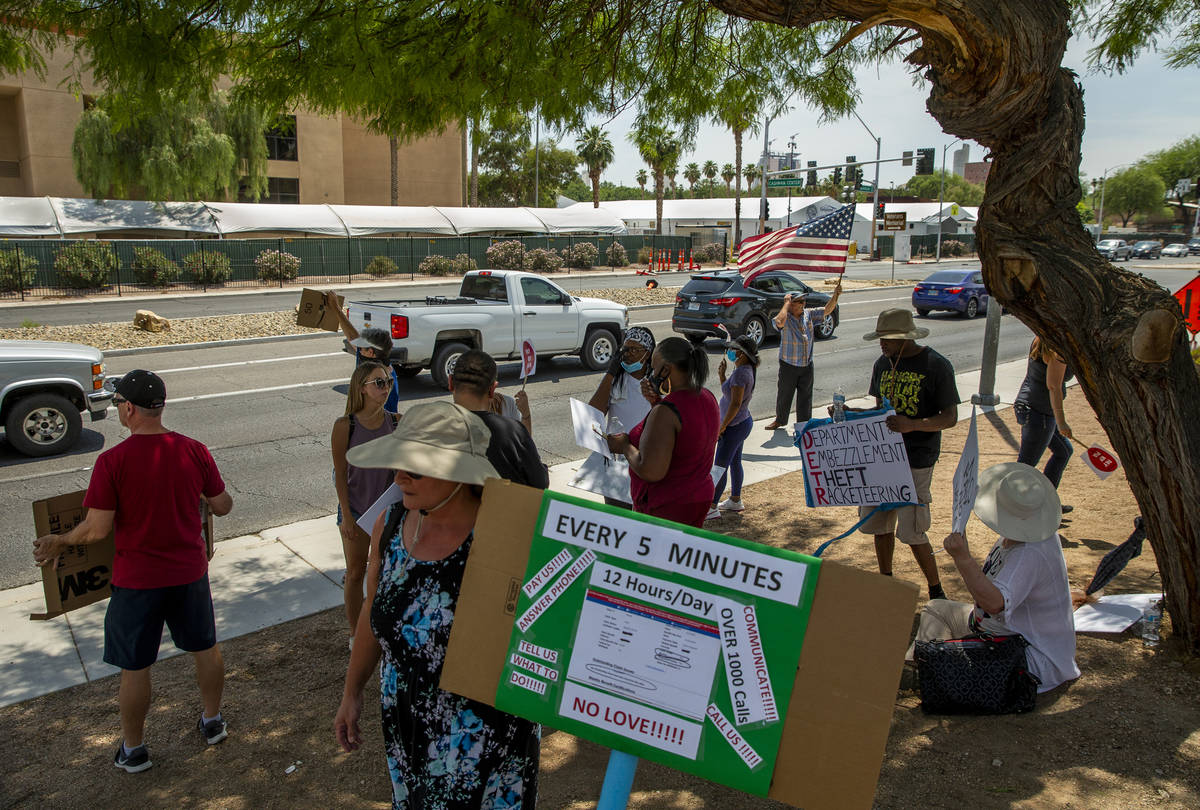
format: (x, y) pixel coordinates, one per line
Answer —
(956, 190)
(1136, 190)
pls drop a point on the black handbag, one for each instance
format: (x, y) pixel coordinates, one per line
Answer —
(975, 675)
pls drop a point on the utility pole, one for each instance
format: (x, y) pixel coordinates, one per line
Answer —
(941, 195)
(875, 196)
(1100, 215)
(762, 201)
(791, 165)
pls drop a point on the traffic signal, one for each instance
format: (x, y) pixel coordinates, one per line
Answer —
(925, 161)
(879, 211)
(858, 176)
(837, 175)
(766, 209)
(812, 174)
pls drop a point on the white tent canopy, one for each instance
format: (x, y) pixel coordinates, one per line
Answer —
(62, 216)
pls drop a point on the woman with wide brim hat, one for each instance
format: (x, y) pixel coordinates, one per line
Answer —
(736, 422)
(1022, 586)
(418, 555)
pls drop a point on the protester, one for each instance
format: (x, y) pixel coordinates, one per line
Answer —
(796, 323)
(147, 490)
(670, 452)
(619, 396)
(1022, 587)
(736, 422)
(442, 750)
(364, 420)
(515, 407)
(369, 344)
(1039, 410)
(511, 449)
(919, 384)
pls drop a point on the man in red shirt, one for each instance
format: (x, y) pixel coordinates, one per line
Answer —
(147, 490)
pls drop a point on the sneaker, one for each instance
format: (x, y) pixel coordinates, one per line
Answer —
(213, 731)
(730, 505)
(135, 761)
(936, 592)
(713, 514)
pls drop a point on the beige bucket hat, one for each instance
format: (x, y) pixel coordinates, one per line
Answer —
(896, 324)
(1018, 502)
(437, 439)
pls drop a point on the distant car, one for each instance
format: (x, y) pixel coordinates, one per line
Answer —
(960, 291)
(1194, 245)
(1115, 250)
(44, 387)
(1147, 249)
(743, 306)
(1175, 249)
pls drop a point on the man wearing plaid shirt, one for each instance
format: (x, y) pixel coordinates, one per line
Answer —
(795, 323)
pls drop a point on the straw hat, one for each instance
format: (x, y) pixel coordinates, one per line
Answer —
(437, 439)
(1018, 502)
(896, 324)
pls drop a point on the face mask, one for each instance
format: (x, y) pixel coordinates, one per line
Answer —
(732, 355)
(632, 368)
(660, 379)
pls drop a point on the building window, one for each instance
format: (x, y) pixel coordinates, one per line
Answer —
(284, 190)
(281, 139)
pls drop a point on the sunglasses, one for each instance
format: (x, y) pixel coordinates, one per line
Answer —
(380, 383)
(631, 351)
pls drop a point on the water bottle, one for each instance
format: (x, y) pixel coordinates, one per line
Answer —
(839, 405)
(1152, 624)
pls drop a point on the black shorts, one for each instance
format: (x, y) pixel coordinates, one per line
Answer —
(133, 624)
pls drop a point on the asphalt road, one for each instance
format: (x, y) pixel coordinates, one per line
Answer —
(266, 410)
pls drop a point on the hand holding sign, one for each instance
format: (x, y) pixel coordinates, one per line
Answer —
(1101, 462)
(966, 479)
(528, 361)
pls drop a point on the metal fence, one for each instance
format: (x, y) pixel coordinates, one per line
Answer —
(43, 267)
(926, 244)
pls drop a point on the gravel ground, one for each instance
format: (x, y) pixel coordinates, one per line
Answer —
(107, 336)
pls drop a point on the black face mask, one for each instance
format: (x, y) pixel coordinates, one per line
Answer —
(657, 380)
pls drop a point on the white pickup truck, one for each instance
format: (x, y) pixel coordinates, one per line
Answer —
(495, 310)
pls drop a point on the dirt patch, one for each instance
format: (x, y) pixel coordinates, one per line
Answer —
(1124, 735)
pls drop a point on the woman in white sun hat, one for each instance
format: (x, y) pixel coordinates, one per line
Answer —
(1022, 586)
(443, 750)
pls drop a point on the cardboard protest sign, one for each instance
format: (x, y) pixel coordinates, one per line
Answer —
(528, 359)
(966, 479)
(711, 654)
(84, 572)
(858, 462)
(313, 312)
(1100, 461)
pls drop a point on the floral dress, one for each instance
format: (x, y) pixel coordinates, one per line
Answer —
(444, 751)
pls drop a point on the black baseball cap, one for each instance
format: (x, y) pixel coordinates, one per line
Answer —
(143, 388)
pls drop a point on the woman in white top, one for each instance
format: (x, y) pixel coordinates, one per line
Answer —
(619, 396)
(1022, 586)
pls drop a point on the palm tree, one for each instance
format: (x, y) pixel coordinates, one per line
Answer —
(727, 174)
(710, 170)
(595, 150)
(660, 149)
(751, 174)
(739, 105)
(671, 172)
(642, 177)
(691, 173)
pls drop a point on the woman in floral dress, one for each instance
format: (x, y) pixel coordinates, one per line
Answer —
(444, 751)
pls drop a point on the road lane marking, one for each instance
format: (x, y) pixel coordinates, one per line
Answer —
(246, 363)
(198, 397)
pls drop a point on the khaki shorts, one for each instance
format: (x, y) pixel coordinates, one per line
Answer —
(909, 523)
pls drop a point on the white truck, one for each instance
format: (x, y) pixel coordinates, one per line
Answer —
(495, 310)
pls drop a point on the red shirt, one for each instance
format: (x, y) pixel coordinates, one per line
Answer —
(154, 482)
(689, 477)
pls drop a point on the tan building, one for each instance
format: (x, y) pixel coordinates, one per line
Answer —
(325, 159)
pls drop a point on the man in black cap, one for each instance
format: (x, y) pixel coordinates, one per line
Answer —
(147, 490)
(369, 344)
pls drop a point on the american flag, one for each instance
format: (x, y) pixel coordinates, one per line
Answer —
(817, 246)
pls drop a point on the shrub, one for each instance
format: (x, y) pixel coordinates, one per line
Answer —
(381, 267)
(85, 265)
(540, 260)
(277, 265)
(506, 255)
(643, 256)
(464, 264)
(953, 247)
(616, 255)
(712, 252)
(209, 268)
(437, 265)
(17, 270)
(582, 255)
(151, 266)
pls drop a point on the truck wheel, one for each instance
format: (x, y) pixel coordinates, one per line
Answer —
(443, 362)
(43, 425)
(599, 349)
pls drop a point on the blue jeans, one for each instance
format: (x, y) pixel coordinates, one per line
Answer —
(729, 456)
(1039, 431)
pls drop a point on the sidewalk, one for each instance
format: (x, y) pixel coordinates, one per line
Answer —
(293, 571)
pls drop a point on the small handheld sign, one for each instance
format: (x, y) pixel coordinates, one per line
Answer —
(966, 479)
(1101, 462)
(528, 361)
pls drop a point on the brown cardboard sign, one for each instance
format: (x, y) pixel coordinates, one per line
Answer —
(84, 572)
(314, 313)
(837, 721)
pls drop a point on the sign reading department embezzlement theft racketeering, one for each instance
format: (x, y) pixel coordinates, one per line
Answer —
(660, 640)
(858, 462)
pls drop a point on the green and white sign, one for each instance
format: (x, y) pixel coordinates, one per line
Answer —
(785, 182)
(664, 641)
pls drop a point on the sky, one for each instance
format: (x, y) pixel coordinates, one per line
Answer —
(1148, 108)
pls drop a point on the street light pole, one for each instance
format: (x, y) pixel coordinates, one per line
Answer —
(1100, 216)
(941, 194)
(762, 201)
(875, 195)
(791, 165)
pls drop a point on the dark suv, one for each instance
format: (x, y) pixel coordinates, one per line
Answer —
(744, 307)
(1147, 249)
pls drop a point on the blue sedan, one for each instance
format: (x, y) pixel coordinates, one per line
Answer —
(960, 291)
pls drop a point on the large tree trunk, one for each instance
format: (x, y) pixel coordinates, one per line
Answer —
(474, 193)
(658, 200)
(394, 157)
(595, 178)
(996, 76)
